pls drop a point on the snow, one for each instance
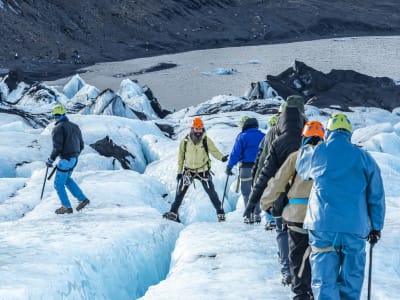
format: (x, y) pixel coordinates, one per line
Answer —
(119, 247)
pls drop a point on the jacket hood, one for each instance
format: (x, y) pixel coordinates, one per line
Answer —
(291, 120)
(332, 134)
(250, 123)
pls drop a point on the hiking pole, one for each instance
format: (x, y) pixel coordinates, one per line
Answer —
(223, 197)
(52, 173)
(177, 186)
(237, 184)
(370, 270)
(44, 183)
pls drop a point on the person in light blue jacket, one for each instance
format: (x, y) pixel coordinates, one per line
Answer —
(245, 151)
(346, 208)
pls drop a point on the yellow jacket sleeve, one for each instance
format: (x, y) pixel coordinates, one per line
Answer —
(213, 150)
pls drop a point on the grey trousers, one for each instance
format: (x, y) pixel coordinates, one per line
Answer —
(246, 182)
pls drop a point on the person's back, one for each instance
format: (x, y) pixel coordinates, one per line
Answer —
(246, 145)
(344, 175)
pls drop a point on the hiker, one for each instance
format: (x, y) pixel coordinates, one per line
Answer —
(288, 139)
(346, 207)
(244, 151)
(194, 163)
(67, 144)
(293, 211)
(263, 152)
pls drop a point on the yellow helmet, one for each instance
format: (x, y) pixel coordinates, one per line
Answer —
(243, 120)
(58, 110)
(339, 121)
(273, 120)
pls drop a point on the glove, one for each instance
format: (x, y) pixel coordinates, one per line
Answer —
(49, 163)
(228, 171)
(224, 158)
(178, 177)
(249, 209)
(374, 236)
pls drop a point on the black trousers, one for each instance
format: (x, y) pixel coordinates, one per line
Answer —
(206, 181)
(301, 286)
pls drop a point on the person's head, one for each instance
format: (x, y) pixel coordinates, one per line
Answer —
(243, 120)
(339, 121)
(295, 101)
(58, 111)
(197, 126)
(313, 133)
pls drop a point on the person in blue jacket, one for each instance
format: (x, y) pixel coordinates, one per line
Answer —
(245, 151)
(346, 208)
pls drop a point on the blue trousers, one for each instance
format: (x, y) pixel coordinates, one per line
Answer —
(282, 239)
(63, 179)
(337, 265)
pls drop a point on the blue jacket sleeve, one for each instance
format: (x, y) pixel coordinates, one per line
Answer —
(237, 152)
(375, 194)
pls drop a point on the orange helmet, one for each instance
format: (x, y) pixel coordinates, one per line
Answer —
(313, 128)
(197, 123)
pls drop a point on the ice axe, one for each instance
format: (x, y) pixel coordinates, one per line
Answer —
(52, 173)
(223, 196)
(44, 183)
(370, 271)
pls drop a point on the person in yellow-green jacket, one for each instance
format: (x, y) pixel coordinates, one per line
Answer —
(194, 163)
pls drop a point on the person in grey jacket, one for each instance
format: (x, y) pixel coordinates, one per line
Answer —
(67, 144)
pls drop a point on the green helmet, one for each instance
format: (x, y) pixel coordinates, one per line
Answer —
(58, 110)
(273, 120)
(243, 120)
(339, 121)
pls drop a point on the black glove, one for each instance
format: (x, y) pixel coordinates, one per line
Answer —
(49, 163)
(374, 236)
(228, 171)
(224, 158)
(178, 177)
(249, 209)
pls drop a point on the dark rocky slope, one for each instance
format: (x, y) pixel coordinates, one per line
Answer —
(48, 36)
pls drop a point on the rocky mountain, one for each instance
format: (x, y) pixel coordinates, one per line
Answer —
(52, 39)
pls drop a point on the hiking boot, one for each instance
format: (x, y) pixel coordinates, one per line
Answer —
(64, 210)
(221, 217)
(82, 204)
(248, 220)
(270, 225)
(286, 279)
(257, 219)
(171, 216)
